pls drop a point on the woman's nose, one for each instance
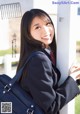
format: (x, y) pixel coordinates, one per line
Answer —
(45, 29)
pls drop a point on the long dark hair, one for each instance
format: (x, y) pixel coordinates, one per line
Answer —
(29, 44)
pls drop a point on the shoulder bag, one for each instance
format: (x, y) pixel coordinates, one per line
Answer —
(13, 99)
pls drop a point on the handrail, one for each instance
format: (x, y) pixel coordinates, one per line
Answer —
(9, 55)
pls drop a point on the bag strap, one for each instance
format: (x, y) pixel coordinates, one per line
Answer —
(19, 73)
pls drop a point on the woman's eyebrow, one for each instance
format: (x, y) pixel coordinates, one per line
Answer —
(36, 24)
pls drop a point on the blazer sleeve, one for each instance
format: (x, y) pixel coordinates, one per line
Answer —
(40, 83)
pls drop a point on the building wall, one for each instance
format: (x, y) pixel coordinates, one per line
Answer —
(13, 24)
(47, 6)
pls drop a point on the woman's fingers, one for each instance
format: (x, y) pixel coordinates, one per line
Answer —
(78, 76)
(75, 72)
(74, 69)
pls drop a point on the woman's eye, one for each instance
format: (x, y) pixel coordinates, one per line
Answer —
(37, 27)
(48, 23)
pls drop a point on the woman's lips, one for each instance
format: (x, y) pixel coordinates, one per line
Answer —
(46, 37)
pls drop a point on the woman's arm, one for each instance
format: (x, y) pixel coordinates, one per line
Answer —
(40, 83)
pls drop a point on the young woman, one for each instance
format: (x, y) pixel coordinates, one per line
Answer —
(41, 77)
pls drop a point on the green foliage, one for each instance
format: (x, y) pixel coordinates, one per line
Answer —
(77, 104)
(4, 52)
(78, 42)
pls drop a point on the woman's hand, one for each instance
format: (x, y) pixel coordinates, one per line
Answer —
(75, 72)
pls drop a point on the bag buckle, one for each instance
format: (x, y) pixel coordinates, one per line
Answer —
(30, 110)
(6, 89)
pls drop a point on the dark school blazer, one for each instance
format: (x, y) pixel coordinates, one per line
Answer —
(41, 79)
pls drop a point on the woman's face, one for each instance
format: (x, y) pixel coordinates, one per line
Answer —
(42, 30)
